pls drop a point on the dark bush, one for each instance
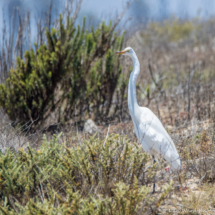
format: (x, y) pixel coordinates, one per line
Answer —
(74, 68)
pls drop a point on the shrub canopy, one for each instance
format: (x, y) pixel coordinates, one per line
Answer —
(94, 177)
(74, 69)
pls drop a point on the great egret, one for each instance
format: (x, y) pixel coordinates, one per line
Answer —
(148, 128)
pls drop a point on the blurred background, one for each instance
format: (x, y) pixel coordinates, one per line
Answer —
(140, 10)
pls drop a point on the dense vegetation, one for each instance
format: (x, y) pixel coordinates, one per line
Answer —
(75, 68)
(96, 177)
(80, 174)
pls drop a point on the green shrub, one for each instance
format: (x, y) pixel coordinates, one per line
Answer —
(170, 31)
(95, 177)
(74, 68)
(174, 30)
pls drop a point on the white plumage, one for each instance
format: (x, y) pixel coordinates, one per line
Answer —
(148, 128)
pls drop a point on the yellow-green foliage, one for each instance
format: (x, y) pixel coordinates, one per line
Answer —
(95, 177)
(172, 30)
(72, 59)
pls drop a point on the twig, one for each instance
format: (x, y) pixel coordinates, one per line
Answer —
(152, 77)
(106, 136)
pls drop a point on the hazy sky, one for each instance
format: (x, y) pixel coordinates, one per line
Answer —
(178, 7)
(105, 8)
(188, 7)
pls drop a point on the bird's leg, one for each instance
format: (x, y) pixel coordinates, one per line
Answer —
(154, 176)
(180, 182)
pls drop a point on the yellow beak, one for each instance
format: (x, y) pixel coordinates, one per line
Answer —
(121, 52)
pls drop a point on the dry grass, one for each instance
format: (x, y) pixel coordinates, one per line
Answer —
(195, 143)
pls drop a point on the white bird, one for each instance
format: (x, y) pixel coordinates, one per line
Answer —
(148, 128)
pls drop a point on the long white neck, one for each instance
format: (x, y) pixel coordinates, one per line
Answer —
(132, 95)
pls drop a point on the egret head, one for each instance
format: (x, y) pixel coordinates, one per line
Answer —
(127, 51)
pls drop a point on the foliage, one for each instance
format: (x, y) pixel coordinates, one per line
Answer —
(173, 30)
(97, 177)
(74, 67)
(205, 143)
